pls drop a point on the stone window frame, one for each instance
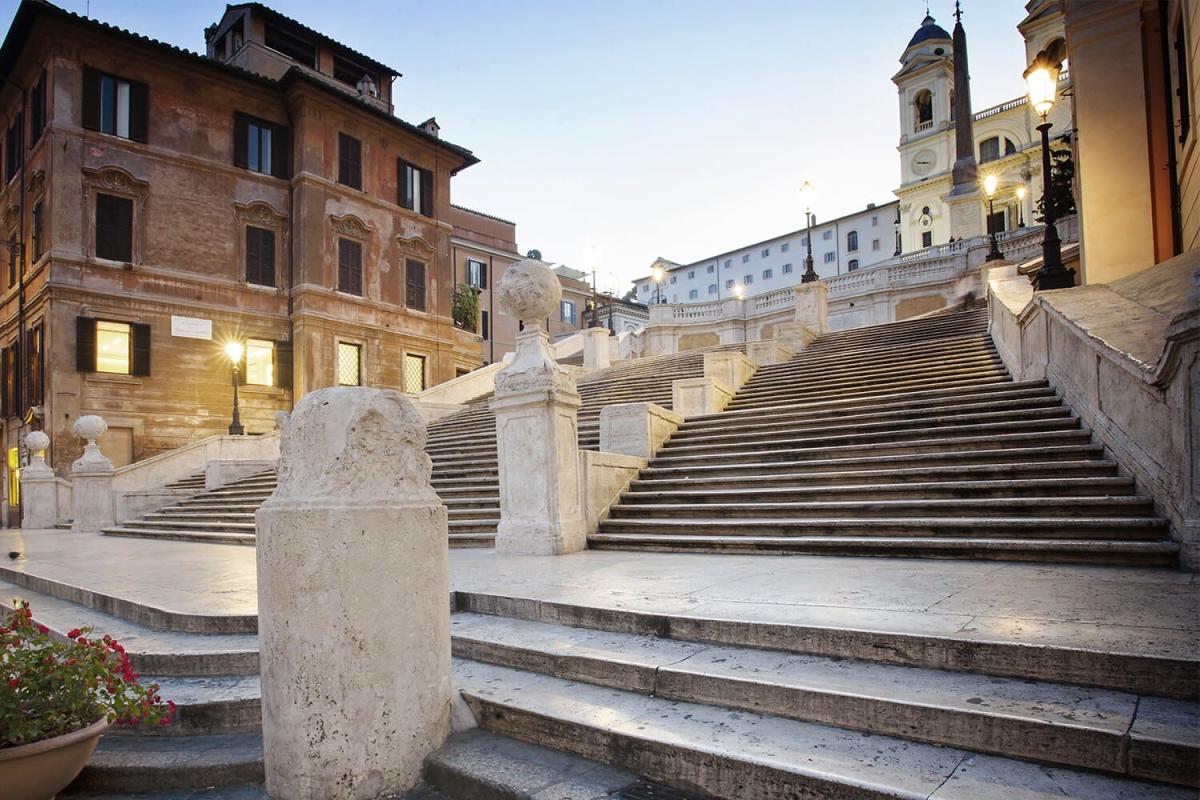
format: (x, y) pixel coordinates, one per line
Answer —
(258, 214)
(118, 182)
(427, 366)
(352, 227)
(417, 249)
(342, 338)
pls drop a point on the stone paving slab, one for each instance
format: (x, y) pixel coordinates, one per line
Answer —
(1147, 611)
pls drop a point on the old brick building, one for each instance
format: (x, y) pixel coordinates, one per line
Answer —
(158, 204)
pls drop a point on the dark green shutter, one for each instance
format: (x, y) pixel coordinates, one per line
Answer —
(283, 365)
(281, 152)
(91, 99)
(85, 344)
(241, 136)
(426, 192)
(141, 348)
(139, 112)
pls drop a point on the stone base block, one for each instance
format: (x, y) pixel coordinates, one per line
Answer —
(795, 336)
(355, 646)
(636, 429)
(695, 397)
(39, 502)
(769, 352)
(732, 369)
(602, 478)
(92, 496)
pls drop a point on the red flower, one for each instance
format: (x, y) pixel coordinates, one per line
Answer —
(14, 683)
(74, 633)
(43, 629)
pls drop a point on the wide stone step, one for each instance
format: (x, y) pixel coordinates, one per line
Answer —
(803, 392)
(929, 368)
(1053, 472)
(948, 350)
(860, 394)
(738, 754)
(1146, 737)
(179, 535)
(154, 763)
(1029, 492)
(198, 515)
(973, 547)
(477, 513)
(173, 523)
(205, 705)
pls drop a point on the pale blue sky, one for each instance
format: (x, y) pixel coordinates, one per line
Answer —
(614, 132)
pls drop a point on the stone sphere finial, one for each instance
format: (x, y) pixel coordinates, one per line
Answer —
(91, 426)
(37, 441)
(529, 291)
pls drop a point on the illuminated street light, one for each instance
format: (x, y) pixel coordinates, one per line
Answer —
(989, 188)
(1042, 80)
(807, 192)
(234, 351)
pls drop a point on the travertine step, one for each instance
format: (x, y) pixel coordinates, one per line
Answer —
(726, 491)
(1014, 507)
(154, 763)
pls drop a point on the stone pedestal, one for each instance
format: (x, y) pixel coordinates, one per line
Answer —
(92, 478)
(636, 429)
(811, 318)
(596, 352)
(697, 397)
(730, 368)
(769, 352)
(353, 620)
(39, 486)
(966, 212)
(536, 407)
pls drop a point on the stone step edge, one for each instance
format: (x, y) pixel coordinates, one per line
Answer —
(1132, 672)
(135, 764)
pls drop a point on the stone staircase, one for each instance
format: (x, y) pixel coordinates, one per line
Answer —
(604, 698)
(907, 439)
(462, 447)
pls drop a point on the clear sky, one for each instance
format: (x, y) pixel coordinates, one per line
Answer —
(616, 131)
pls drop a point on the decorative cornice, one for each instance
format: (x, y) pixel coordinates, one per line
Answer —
(259, 212)
(116, 179)
(415, 246)
(350, 225)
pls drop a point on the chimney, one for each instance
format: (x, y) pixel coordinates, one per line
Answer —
(431, 127)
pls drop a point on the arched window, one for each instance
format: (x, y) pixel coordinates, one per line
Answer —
(852, 265)
(923, 110)
(989, 149)
(852, 241)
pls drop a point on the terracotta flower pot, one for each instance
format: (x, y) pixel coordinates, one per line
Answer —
(40, 770)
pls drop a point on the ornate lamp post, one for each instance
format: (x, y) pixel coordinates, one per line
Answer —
(989, 188)
(658, 274)
(233, 351)
(896, 224)
(739, 292)
(1042, 79)
(1021, 206)
(806, 194)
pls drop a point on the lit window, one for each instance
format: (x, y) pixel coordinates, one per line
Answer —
(349, 364)
(113, 341)
(260, 362)
(414, 373)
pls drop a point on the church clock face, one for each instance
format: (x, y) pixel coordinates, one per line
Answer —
(923, 161)
(925, 221)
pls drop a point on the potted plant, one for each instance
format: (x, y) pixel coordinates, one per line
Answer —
(56, 699)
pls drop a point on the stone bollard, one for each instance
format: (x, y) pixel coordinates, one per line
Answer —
(91, 479)
(596, 352)
(536, 408)
(39, 486)
(353, 618)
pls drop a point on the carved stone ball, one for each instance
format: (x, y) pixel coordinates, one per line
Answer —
(91, 426)
(37, 441)
(529, 291)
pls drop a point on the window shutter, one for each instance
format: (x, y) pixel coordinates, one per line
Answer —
(253, 269)
(283, 365)
(414, 276)
(356, 269)
(426, 192)
(141, 348)
(281, 152)
(123, 228)
(91, 99)
(85, 344)
(139, 112)
(241, 136)
(343, 265)
(5, 377)
(400, 182)
(266, 258)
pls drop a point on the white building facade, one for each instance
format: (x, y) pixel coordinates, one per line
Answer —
(846, 244)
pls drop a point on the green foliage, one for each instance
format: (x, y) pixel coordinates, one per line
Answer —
(1061, 188)
(464, 308)
(49, 687)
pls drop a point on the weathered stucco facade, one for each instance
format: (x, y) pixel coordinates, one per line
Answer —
(184, 284)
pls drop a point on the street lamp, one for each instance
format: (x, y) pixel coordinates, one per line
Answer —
(807, 190)
(1021, 206)
(739, 292)
(989, 188)
(658, 274)
(233, 350)
(1042, 79)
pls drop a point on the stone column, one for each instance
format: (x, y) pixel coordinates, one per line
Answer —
(39, 486)
(536, 408)
(353, 616)
(596, 354)
(91, 479)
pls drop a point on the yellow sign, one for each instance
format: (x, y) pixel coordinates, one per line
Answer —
(14, 476)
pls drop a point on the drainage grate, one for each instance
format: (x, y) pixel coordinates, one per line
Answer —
(645, 790)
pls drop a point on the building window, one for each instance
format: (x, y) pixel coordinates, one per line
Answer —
(484, 324)
(767, 273)
(712, 288)
(260, 256)
(352, 74)
(349, 364)
(414, 284)
(746, 258)
(691, 274)
(927, 239)
(995, 222)
(875, 222)
(923, 110)
(260, 146)
(121, 348)
(787, 269)
(852, 241)
(414, 373)
(673, 278)
(852, 265)
(14, 147)
(37, 232)
(728, 263)
(114, 227)
(729, 283)
(414, 188)
(36, 365)
(37, 110)
(827, 235)
(874, 244)
(711, 268)
(115, 105)
(766, 252)
(829, 257)
(783, 248)
(567, 312)
(349, 161)
(260, 362)
(747, 280)
(350, 267)
(290, 45)
(645, 288)
(693, 294)
(477, 273)
(989, 149)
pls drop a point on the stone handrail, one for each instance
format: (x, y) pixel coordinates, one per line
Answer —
(193, 458)
(771, 301)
